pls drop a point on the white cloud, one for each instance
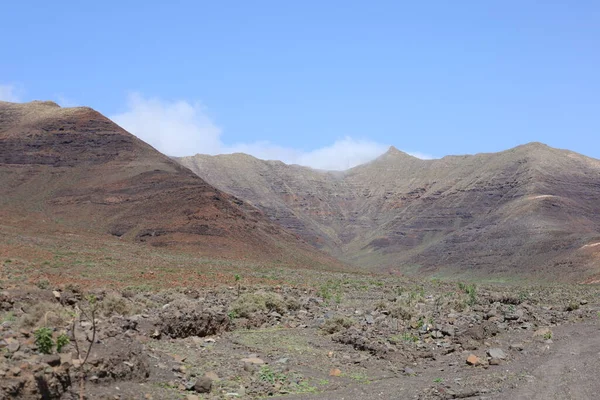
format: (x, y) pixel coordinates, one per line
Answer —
(177, 129)
(9, 93)
(181, 129)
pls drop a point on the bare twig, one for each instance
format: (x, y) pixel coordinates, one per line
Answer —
(91, 316)
(93, 312)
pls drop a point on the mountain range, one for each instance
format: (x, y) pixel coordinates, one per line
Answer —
(531, 211)
(69, 171)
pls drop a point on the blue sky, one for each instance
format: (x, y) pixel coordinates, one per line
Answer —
(323, 83)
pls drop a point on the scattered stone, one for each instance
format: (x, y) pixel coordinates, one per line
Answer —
(409, 371)
(473, 360)
(496, 353)
(517, 346)
(448, 330)
(56, 294)
(13, 345)
(192, 397)
(542, 333)
(212, 376)
(52, 359)
(253, 360)
(437, 335)
(335, 372)
(66, 358)
(203, 385)
(156, 334)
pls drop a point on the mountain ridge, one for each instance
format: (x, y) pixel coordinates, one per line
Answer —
(73, 170)
(524, 210)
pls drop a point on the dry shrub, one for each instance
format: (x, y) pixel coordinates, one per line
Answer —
(336, 324)
(251, 303)
(115, 304)
(45, 314)
(401, 312)
(293, 304)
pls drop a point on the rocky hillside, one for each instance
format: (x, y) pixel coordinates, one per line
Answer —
(73, 171)
(529, 211)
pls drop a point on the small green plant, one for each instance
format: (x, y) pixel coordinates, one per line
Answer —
(325, 292)
(548, 335)
(61, 341)
(232, 315)
(438, 380)
(8, 317)
(409, 337)
(266, 374)
(338, 298)
(360, 377)
(523, 295)
(303, 387)
(238, 279)
(471, 291)
(43, 340)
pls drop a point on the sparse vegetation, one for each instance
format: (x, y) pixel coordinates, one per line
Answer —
(266, 374)
(470, 290)
(115, 304)
(43, 283)
(401, 312)
(43, 340)
(61, 341)
(336, 324)
(8, 317)
(249, 303)
(44, 314)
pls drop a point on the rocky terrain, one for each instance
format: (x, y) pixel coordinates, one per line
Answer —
(348, 337)
(529, 212)
(72, 170)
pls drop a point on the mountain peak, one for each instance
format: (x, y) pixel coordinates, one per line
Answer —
(394, 154)
(535, 146)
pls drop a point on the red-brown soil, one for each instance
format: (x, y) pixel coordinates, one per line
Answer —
(72, 171)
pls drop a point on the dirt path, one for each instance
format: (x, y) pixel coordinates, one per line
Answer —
(570, 370)
(567, 369)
